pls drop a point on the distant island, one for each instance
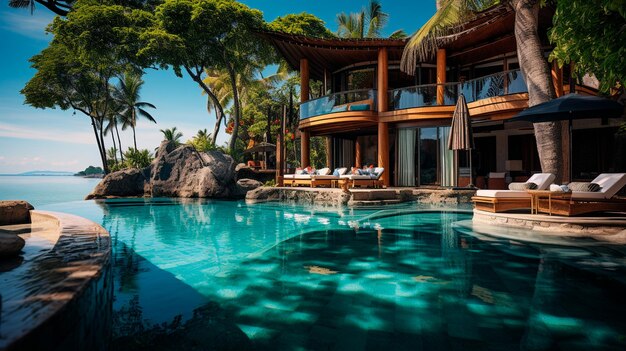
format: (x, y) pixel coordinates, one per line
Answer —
(91, 172)
(41, 173)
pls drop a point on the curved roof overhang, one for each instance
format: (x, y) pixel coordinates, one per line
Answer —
(330, 54)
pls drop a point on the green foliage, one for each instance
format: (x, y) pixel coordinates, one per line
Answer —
(202, 141)
(91, 170)
(318, 152)
(422, 44)
(368, 23)
(271, 183)
(592, 34)
(137, 158)
(172, 134)
(303, 24)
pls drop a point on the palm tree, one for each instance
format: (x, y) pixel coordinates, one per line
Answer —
(126, 94)
(421, 47)
(59, 7)
(219, 81)
(368, 23)
(172, 135)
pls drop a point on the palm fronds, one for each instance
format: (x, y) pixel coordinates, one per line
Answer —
(423, 43)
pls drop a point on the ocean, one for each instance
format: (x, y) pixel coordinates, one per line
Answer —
(45, 190)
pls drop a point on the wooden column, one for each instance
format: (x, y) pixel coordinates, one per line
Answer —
(280, 150)
(383, 80)
(572, 80)
(383, 151)
(304, 80)
(441, 76)
(305, 149)
(357, 153)
(383, 106)
(557, 79)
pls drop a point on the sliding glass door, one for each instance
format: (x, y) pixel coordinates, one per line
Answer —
(424, 158)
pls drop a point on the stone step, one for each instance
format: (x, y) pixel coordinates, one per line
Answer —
(373, 202)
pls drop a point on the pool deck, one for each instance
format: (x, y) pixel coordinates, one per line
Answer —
(605, 228)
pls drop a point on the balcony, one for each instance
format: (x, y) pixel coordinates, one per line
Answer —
(500, 85)
(353, 100)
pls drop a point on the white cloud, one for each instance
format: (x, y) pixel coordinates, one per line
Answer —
(22, 22)
(31, 132)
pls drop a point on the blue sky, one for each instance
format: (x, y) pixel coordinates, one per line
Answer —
(34, 139)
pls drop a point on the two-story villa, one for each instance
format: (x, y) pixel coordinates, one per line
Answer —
(373, 113)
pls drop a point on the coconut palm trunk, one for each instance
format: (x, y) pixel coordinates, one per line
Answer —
(134, 122)
(119, 141)
(236, 105)
(536, 72)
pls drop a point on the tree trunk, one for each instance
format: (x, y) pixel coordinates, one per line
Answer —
(220, 110)
(236, 105)
(119, 141)
(97, 130)
(114, 153)
(536, 73)
(134, 138)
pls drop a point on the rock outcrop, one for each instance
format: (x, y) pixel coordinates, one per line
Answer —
(178, 172)
(14, 212)
(10, 245)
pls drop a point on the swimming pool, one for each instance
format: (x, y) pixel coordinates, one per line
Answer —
(226, 275)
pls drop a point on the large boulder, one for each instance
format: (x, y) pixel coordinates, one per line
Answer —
(10, 245)
(177, 172)
(128, 182)
(246, 185)
(14, 212)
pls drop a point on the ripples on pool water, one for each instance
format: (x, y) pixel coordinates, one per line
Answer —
(226, 275)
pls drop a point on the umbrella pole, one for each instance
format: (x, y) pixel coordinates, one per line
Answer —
(471, 182)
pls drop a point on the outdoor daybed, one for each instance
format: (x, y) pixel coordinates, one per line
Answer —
(505, 200)
(365, 180)
(587, 202)
(327, 179)
(306, 179)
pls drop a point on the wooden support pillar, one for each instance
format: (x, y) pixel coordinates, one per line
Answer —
(304, 80)
(305, 149)
(557, 79)
(280, 150)
(383, 80)
(357, 153)
(441, 76)
(329, 152)
(383, 151)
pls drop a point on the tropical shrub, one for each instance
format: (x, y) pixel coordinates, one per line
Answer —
(137, 158)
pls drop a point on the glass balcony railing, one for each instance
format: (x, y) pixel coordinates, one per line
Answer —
(498, 84)
(421, 95)
(353, 100)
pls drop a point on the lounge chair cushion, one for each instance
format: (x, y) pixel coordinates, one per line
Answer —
(302, 176)
(543, 180)
(340, 108)
(323, 171)
(509, 194)
(360, 107)
(610, 184)
(320, 177)
(339, 171)
(522, 186)
(378, 171)
(582, 186)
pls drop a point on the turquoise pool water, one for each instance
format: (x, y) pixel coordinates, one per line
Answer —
(226, 275)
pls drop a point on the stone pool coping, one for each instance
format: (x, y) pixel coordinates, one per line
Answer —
(41, 311)
(608, 229)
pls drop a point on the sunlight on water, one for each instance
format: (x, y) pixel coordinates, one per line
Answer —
(299, 277)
